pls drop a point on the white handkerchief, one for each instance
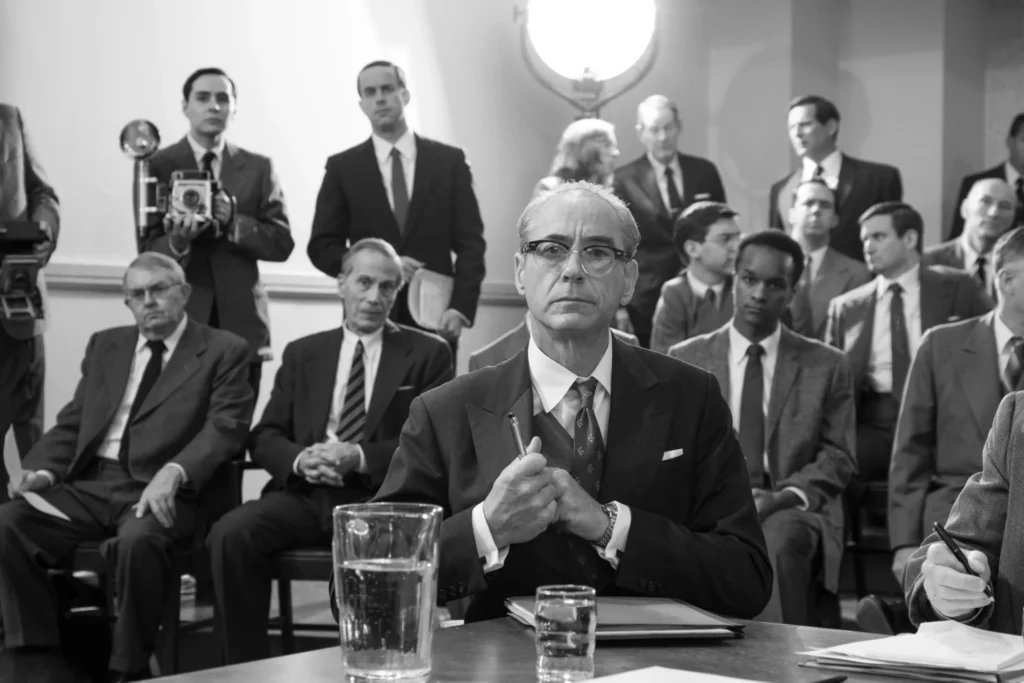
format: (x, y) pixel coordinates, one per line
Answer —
(669, 455)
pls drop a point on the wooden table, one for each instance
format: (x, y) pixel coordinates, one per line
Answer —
(502, 650)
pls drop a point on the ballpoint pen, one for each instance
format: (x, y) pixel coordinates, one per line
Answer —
(957, 553)
(513, 424)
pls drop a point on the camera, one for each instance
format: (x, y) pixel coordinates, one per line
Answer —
(192, 193)
(20, 297)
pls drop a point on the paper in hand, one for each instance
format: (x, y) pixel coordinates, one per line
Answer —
(12, 462)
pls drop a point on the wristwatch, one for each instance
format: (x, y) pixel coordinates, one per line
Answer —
(612, 510)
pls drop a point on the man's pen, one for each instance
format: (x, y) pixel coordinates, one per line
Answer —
(513, 424)
(957, 553)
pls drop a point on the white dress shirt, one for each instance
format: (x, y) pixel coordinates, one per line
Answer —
(551, 381)
(738, 346)
(971, 262)
(199, 151)
(700, 288)
(659, 175)
(880, 361)
(1003, 346)
(830, 167)
(815, 256)
(406, 146)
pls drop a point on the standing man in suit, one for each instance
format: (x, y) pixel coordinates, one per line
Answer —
(221, 259)
(828, 272)
(411, 191)
(988, 212)
(792, 404)
(858, 184)
(880, 324)
(159, 407)
(632, 481)
(24, 195)
(656, 188)
(1010, 171)
(326, 437)
(515, 340)
(699, 299)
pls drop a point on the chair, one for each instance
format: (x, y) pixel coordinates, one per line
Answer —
(864, 507)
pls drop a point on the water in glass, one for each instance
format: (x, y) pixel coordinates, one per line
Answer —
(566, 633)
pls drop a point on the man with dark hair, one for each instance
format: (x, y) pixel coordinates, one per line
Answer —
(858, 184)
(326, 438)
(413, 192)
(221, 258)
(880, 324)
(828, 273)
(1011, 171)
(699, 299)
(988, 211)
(657, 187)
(792, 406)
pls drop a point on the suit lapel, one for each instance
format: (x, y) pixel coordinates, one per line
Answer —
(787, 368)
(829, 282)
(425, 162)
(847, 176)
(716, 359)
(488, 422)
(976, 364)
(935, 295)
(117, 366)
(183, 156)
(183, 363)
(863, 311)
(785, 199)
(377, 194)
(231, 167)
(321, 372)
(391, 370)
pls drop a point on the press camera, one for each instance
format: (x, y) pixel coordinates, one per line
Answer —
(20, 297)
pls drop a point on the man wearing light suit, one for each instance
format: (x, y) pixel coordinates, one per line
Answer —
(160, 406)
(858, 184)
(792, 403)
(221, 260)
(24, 195)
(632, 480)
(515, 340)
(326, 437)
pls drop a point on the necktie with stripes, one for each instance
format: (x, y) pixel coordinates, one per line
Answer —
(353, 413)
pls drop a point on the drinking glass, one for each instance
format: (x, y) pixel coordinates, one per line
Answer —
(566, 618)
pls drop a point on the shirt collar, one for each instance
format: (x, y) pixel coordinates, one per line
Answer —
(970, 256)
(199, 151)
(551, 380)
(738, 344)
(829, 165)
(406, 146)
(1011, 175)
(171, 341)
(371, 342)
(659, 168)
(700, 288)
(909, 281)
(1003, 333)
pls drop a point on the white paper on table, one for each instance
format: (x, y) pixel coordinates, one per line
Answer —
(659, 674)
(429, 294)
(12, 462)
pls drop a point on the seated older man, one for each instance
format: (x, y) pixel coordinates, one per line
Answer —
(160, 405)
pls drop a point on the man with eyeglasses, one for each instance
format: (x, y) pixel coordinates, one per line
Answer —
(159, 407)
(632, 478)
(326, 438)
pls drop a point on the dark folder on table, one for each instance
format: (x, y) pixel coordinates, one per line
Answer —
(623, 618)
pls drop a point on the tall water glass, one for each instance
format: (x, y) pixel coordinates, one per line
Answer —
(566, 618)
(385, 571)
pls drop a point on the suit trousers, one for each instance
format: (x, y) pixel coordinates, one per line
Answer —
(876, 428)
(99, 503)
(15, 378)
(242, 547)
(794, 549)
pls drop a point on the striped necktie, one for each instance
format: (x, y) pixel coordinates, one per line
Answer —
(353, 414)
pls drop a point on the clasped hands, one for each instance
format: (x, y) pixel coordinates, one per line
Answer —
(328, 463)
(183, 228)
(528, 496)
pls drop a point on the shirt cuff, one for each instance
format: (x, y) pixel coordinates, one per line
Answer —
(184, 474)
(492, 557)
(295, 465)
(620, 532)
(49, 475)
(363, 467)
(806, 505)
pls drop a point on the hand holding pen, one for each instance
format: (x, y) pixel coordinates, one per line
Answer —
(957, 583)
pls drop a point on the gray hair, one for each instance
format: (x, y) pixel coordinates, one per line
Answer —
(378, 245)
(1008, 249)
(155, 262)
(627, 224)
(575, 137)
(657, 102)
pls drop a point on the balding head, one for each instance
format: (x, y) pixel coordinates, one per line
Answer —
(988, 211)
(658, 126)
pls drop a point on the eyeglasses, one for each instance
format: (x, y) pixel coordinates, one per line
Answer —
(157, 291)
(597, 259)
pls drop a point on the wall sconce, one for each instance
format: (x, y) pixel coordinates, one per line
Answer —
(588, 52)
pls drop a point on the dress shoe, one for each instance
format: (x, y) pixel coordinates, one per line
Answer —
(883, 615)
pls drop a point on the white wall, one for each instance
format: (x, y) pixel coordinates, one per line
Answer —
(1004, 74)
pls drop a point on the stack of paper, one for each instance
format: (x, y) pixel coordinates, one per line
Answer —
(939, 651)
(622, 617)
(659, 674)
(12, 462)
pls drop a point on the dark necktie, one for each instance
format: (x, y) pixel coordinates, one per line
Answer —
(149, 378)
(752, 416)
(819, 172)
(208, 160)
(1012, 373)
(710, 298)
(399, 190)
(587, 444)
(979, 273)
(353, 413)
(675, 202)
(900, 340)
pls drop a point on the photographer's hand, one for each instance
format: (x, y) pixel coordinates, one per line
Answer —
(223, 209)
(44, 249)
(182, 229)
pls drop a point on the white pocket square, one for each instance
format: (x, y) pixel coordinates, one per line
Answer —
(669, 455)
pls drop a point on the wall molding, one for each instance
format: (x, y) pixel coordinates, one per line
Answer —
(106, 279)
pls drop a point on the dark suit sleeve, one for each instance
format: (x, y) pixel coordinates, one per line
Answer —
(56, 449)
(43, 206)
(328, 240)
(265, 236)
(978, 302)
(894, 187)
(835, 462)
(719, 560)
(978, 517)
(717, 188)
(436, 370)
(774, 219)
(911, 470)
(957, 224)
(669, 325)
(468, 243)
(272, 443)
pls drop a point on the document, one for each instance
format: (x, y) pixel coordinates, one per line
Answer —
(659, 674)
(429, 295)
(12, 462)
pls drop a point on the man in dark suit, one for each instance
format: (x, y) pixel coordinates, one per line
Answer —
(633, 479)
(250, 222)
(24, 195)
(515, 340)
(656, 188)
(1010, 171)
(159, 407)
(828, 273)
(792, 403)
(988, 212)
(326, 437)
(698, 300)
(879, 325)
(412, 191)
(858, 184)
